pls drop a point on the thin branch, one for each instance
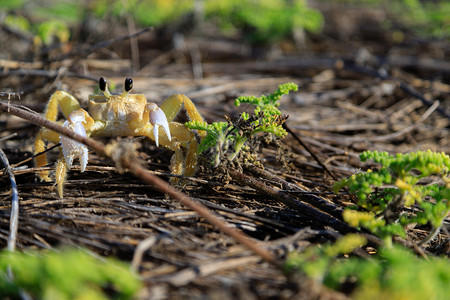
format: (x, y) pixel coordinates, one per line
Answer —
(104, 44)
(37, 154)
(383, 74)
(147, 177)
(434, 232)
(134, 46)
(306, 210)
(188, 275)
(305, 196)
(14, 219)
(313, 154)
(386, 137)
(45, 73)
(140, 250)
(11, 94)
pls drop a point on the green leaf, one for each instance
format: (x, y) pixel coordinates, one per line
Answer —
(392, 273)
(49, 30)
(66, 274)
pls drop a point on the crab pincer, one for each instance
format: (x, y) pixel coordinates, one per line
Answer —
(158, 118)
(70, 148)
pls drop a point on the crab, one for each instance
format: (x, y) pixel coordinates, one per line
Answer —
(111, 115)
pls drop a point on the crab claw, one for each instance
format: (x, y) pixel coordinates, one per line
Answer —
(158, 118)
(70, 148)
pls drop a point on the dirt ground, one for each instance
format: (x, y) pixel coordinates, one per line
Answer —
(359, 89)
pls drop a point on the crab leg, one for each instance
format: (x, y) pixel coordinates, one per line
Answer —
(181, 163)
(68, 103)
(172, 105)
(39, 146)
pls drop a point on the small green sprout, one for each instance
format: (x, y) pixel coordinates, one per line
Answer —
(217, 137)
(225, 140)
(419, 179)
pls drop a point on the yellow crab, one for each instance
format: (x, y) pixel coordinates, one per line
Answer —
(111, 115)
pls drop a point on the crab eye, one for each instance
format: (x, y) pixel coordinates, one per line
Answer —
(128, 84)
(102, 84)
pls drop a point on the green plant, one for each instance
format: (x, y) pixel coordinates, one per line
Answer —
(419, 179)
(145, 12)
(43, 32)
(52, 31)
(225, 140)
(315, 261)
(264, 21)
(393, 273)
(424, 17)
(260, 21)
(66, 274)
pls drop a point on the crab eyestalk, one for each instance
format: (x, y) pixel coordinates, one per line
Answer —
(103, 85)
(127, 86)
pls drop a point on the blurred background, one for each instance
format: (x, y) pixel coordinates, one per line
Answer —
(208, 30)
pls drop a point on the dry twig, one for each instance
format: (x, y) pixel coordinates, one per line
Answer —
(187, 275)
(382, 74)
(14, 219)
(104, 44)
(307, 148)
(313, 200)
(309, 211)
